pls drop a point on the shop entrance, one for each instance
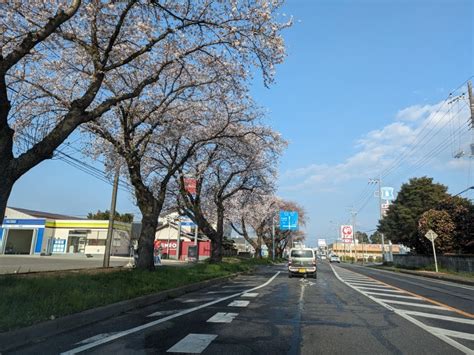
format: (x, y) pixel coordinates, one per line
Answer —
(77, 241)
(18, 241)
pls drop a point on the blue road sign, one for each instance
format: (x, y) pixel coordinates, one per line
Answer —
(387, 193)
(289, 220)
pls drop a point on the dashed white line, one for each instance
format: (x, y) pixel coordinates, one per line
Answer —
(247, 294)
(222, 317)
(239, 303)
(192, 343)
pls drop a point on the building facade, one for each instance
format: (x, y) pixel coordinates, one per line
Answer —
(29, 232)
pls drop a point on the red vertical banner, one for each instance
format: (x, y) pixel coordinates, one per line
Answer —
(190, 185)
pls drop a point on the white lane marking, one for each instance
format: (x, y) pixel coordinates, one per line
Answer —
(363, 288)
(247, 294)
(218, 292)
(94, 338)
(411, 304)
(194, 300)
(415, 321)
(447, 283)
(453, 333)
(165, 319)
(439, 316)
(192, 343)
(367, 284)
(396, 296)
(351, 279)
(221, 317)
(164, 313)
(235, 286)
(239, 303)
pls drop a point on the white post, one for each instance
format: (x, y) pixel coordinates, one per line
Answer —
(169, 232)
(273, 238)
(178, 240)
(434, 253)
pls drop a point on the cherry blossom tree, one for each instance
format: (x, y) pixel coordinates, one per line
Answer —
(66, 63)
(245, 161)
(258, 213)
(154, 142)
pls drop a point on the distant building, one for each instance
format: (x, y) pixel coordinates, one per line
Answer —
(30, 232)
(365, 250)
(166, 238)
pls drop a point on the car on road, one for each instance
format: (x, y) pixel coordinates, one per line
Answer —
(302, 261)
(334, 259)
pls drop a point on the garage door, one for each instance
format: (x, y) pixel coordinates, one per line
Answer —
(18, 241)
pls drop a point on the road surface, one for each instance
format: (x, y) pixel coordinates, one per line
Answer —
(346, 310)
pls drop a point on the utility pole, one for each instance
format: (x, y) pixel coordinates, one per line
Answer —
(354, 216)
(471, 102)
(379, 181)
(110, 229)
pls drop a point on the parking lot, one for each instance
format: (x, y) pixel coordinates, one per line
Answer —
(12, 264)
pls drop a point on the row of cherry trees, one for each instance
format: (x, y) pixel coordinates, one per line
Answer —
(159, 88)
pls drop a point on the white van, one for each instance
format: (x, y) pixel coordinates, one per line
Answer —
(302, 261)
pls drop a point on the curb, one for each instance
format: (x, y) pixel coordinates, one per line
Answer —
(36, 333)
(431, 276)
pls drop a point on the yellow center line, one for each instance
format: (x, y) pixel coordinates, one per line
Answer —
(466, 314)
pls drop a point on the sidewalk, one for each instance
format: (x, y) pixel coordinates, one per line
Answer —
(430, 274)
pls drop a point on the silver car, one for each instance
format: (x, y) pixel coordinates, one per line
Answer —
(302, 262)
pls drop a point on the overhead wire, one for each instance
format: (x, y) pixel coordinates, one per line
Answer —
(79, 164)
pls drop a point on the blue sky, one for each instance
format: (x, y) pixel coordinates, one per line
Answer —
(360, 82)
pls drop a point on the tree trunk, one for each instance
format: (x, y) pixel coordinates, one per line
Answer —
(6, 186)
(216, 249)
(146, 242)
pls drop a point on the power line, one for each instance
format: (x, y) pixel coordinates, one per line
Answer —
(79, 164)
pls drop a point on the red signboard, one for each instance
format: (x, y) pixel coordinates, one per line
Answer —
(190, 185)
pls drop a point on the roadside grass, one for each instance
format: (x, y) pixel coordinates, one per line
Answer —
(28, 300)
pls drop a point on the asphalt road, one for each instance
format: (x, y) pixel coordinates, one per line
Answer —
(449, 293)
(341, 312)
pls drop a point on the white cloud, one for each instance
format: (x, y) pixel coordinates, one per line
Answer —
(415, 136)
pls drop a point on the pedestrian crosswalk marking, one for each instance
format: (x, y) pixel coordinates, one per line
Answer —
(222, 317)
(192, 343)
